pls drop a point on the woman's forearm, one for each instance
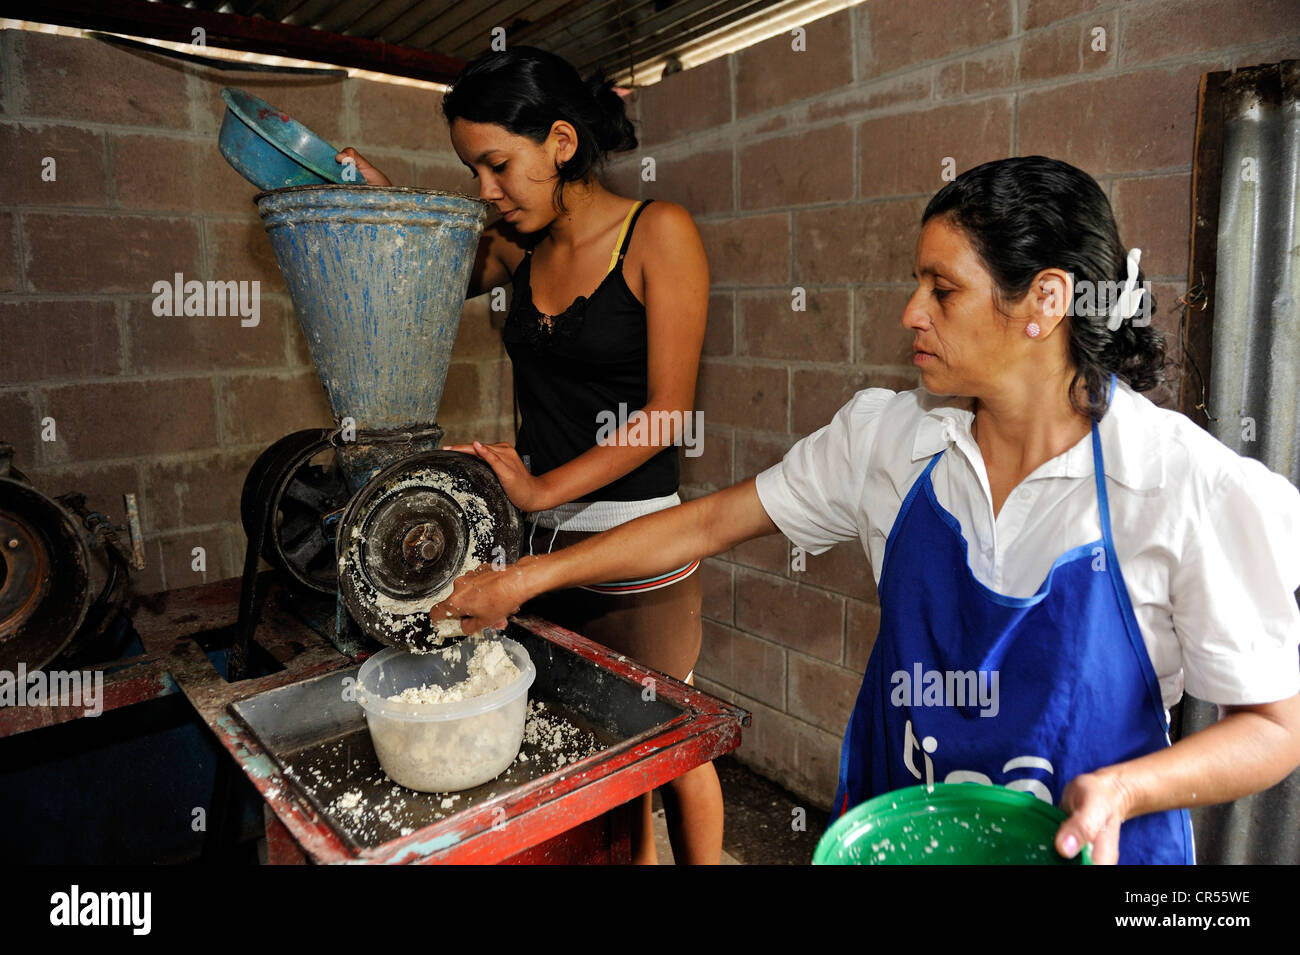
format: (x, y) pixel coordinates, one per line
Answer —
(655, 543)
(620, 454)
(1250, 749)
(594, 468)
(652, 544)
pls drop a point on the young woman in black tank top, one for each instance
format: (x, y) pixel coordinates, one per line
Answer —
(608, 316)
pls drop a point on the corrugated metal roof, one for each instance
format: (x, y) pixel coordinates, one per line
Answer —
(620, 36)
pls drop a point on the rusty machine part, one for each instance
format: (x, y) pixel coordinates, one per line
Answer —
(411, 531)
(299, 479)
(48, 580)
(45, 585)
(118, 559)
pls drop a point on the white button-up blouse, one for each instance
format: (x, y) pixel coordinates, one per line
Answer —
(1208, 541)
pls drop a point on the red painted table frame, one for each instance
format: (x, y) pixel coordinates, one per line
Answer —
(579, 816)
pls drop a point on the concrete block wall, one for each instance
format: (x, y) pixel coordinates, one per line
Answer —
(804, 169)
(176, 409)
(811, 169)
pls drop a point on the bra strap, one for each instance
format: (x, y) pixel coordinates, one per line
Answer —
(625, 234)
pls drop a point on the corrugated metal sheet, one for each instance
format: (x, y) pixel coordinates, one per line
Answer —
(1255, 378)
(1255, 375)
(617, 35)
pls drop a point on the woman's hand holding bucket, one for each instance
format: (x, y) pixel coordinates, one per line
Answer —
(372, 176)
(1097, 803)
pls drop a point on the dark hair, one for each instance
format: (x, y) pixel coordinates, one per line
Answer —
(1031, 213)
(526, 90)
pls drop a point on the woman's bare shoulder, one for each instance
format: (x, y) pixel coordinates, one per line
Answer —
(667, 220)
(667, 237)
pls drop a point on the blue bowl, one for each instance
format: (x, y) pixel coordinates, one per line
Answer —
(272, 150)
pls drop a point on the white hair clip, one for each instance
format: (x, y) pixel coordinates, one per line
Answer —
(1130, 298)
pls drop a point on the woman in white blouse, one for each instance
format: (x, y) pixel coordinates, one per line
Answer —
(1075, 607)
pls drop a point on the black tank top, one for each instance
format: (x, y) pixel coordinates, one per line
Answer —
(571, 367)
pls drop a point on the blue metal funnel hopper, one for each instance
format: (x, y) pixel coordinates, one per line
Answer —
(378, 278)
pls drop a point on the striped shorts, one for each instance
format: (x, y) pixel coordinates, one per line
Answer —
(655, 621)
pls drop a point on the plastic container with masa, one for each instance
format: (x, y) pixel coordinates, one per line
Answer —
(443, 747)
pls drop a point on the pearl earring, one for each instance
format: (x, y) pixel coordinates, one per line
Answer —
(1032, 330)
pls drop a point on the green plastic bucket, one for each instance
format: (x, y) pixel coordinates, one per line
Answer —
(947, 824)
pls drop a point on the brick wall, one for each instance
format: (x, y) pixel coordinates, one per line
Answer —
(802, 169)
(176, 409)
(811, 169)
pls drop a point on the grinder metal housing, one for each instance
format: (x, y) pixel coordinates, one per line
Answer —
(378, 277)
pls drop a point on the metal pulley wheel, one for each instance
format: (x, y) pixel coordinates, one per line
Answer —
(45, 577)
(301, 475)
(410, 532)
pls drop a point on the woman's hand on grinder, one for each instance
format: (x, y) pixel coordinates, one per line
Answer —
(526, 492)
(368, 172)
(484, 597)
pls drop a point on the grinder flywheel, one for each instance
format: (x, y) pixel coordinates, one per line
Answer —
(413, 529)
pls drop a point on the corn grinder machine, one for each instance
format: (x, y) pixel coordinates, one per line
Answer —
(372, 510)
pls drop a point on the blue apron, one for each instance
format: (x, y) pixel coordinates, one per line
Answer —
(965, 684)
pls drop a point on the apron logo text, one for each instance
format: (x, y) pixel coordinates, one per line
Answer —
(929, 745)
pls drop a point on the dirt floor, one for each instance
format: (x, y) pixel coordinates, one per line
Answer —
(761, 821)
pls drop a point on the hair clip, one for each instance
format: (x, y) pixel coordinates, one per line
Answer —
(1129, 300)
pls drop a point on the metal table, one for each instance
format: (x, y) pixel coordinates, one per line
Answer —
(654, 729)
